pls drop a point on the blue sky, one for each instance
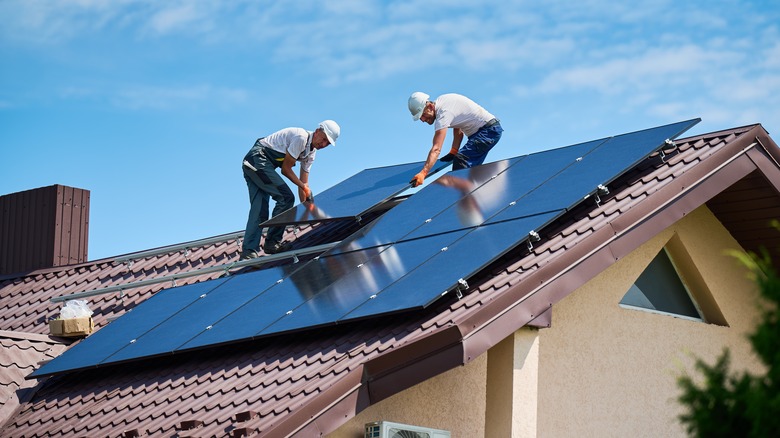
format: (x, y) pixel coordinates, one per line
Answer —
(151, 105)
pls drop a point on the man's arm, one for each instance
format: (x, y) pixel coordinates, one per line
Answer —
(303, 188)
(433, 155)
(457, 137)
(304, 177)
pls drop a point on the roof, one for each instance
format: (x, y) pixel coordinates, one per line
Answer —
(314, 383)
(21, 354)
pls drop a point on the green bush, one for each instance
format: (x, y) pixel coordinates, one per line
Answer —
(731, 404)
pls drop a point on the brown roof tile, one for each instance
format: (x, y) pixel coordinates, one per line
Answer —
(20, 353)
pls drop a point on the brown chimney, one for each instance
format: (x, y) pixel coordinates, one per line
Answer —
(43, 228)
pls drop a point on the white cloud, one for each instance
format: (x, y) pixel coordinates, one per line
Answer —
(635, 52)
(43, 22)
(655, 68)
(163, 98)
(173, 19)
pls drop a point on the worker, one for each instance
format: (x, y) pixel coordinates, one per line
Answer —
(280, 150)
(465, 117)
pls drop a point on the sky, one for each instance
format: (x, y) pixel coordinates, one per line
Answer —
(151, 105)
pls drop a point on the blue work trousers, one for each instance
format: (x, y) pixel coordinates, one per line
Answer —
(474, 152)
(264, 184)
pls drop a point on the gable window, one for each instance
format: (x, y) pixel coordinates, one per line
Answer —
(660, 289)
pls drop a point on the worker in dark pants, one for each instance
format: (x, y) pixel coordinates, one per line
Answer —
(465, 117)
(279, 150)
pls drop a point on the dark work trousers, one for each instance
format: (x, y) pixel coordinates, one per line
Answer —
(263, 184)
(474, 152)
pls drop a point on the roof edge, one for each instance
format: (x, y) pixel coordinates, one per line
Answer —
(326, 412)
(524, 301)
(375, 380)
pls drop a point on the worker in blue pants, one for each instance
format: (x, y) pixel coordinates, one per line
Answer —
(466, 118)
(280, 150)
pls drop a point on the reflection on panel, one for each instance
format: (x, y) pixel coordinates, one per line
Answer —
(462, 258)
(383, 267)
(424, 206)
(478, 203)
(285, 296)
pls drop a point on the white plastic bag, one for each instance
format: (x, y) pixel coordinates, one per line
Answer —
(75, 309)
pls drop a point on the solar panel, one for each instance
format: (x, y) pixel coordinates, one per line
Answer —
(354, 196)
(462, 258)
(424, 205)
(169, 335)
(406, 259)
(602, 164)
(123, 331)
(362, 274)
(479, 203)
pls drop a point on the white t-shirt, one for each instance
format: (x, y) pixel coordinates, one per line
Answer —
(456, 111)
(293, 141)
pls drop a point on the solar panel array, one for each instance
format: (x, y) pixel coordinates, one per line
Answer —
(408, 258)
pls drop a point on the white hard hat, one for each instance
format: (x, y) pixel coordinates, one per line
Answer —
(417, 104)
(331, 130)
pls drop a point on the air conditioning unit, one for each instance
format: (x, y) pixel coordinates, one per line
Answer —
(388, 429)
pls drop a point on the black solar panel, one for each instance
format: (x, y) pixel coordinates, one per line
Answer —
(352, 197)
(406, 259)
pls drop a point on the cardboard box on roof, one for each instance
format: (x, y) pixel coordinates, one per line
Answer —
(71, 327)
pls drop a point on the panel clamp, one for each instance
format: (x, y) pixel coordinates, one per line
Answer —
(462, 286)
(600, 190)
(533, 236)
(661, 152)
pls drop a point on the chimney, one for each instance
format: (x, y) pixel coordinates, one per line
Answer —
(43, 228)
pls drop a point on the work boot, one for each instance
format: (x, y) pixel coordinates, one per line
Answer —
(247, 254)
(276, 247)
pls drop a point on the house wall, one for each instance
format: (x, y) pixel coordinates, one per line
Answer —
(453, 401)
(608, 371)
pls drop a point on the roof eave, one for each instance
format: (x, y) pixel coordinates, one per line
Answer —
(517, 306)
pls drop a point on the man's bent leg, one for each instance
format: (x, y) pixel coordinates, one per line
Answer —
(258, 205)
(272, 185)
(284, 199)
(474, 152)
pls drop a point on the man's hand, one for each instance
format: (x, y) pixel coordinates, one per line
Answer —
(418, 179)
(450, 156)
(304, 193)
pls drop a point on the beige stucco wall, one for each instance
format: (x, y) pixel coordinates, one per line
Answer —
(610, 372)
(600, 370)
(453, 401)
